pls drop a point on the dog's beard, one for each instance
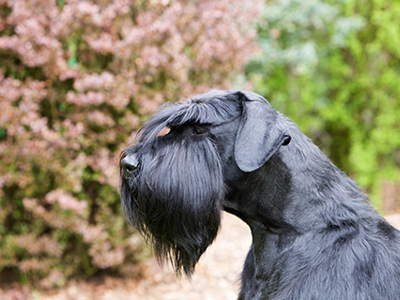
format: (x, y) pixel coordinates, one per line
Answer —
(175, 200)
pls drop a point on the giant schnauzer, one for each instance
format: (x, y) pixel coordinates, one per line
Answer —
(315, 235)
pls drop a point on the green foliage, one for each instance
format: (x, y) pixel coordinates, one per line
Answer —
(333, 68)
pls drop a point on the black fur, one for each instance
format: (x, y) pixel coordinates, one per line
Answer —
(315, 235)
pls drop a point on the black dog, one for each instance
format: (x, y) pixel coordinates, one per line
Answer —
(315, 236)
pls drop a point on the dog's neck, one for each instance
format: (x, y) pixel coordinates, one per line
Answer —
(281, 211)
(261, 214)
(278, 218)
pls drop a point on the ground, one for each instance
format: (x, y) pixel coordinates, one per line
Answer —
(217, 275)
(216, 278)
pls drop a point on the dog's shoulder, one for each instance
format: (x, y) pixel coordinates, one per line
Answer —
(360, 260)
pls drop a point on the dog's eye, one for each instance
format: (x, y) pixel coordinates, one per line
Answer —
(198, 130)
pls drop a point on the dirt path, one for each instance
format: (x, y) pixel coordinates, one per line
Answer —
(216, 277)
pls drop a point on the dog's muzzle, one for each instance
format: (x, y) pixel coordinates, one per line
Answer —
(129, 165)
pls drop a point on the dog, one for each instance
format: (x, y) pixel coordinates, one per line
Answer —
(314, 233)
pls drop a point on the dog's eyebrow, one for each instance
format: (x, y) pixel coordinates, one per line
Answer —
(224, 123)
(205, 124)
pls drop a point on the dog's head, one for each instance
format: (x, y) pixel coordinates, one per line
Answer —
(173, 185)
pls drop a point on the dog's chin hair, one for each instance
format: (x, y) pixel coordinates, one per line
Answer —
(178, 213)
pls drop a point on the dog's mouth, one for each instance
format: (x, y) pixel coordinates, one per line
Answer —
(177, 212)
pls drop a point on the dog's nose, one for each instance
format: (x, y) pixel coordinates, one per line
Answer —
(129, 164)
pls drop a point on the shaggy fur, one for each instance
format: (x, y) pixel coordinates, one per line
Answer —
(315, 235)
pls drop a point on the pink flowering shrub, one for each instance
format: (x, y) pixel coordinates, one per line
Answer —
(76, 80)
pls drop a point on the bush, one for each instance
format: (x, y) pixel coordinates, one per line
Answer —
(76, 79)
(333, 67)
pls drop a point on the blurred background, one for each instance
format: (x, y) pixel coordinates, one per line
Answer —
(78, 78)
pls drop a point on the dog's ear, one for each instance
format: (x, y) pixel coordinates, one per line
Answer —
(260, 133)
